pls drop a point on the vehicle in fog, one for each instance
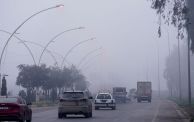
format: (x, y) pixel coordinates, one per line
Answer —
(14, 109)
(104, 100)
(132, 94)
(120, 94)
(144, 91)
(74, 102)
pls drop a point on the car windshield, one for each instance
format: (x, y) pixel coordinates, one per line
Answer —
(119, 90)
(70, 95)
(8, 100)
(103, 96)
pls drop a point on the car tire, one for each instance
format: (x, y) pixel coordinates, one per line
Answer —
(60, 116)
(21, 121)
(90, 114)
(96, 108)
(138, 100)
(114, 108)
(29, 120)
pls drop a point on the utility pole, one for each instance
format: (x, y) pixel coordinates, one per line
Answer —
(179, 63)
(158, 72)
(189, 67)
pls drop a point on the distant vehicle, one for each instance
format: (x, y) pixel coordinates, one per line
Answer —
(104, 100)
(75, 102)
(144, 91)
(14, 109)
(120, 94)
(132, 93)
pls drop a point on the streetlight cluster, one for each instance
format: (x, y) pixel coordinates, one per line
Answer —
(44, 48)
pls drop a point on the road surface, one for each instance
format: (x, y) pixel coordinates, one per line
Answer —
(157, 111)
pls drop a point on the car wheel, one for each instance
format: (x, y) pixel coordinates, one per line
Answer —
(114, 108)
(60, 115)
(21, 121)
(90, 114)
(138, 100)
(28, 120)
(87, 115)
(96, 108)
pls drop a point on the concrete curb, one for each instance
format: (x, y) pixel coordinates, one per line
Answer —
(185, 117)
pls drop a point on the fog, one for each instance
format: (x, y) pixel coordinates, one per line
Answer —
(125, 29)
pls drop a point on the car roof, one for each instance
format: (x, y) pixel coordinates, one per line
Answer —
(74, 92)
(104, 93)
(9, 97)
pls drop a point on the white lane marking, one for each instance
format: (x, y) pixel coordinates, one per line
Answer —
(156, 113)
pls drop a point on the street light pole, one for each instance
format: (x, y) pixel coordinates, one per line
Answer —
(189, 67)
(88, 54)
(8, 40)
(52, 40)
(21, 26)
(179, 65)
(158, 72)
(82, 66)
(23, 42)
(70, 50)
(49, 51)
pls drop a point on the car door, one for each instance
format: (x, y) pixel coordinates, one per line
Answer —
(27, 110)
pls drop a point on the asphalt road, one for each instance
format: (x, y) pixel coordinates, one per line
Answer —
(157, 111)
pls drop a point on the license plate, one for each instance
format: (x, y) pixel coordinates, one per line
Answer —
(111, 105)
(101, 104)
(4, 108)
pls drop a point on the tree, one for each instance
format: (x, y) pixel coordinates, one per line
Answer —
(171, 72)
(22, 94)
(4, 87)
(50, 80)
(180, 13)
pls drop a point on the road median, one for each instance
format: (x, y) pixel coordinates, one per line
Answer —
(36, 109)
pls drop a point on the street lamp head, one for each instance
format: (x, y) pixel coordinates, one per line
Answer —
(81, 28)
(60, 5)
(93, 38)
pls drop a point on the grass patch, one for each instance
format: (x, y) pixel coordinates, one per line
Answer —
(44, 103)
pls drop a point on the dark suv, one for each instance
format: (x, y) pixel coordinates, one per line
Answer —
(75, 102)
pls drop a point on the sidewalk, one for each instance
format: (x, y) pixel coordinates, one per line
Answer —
(171, 112)
(183, 112)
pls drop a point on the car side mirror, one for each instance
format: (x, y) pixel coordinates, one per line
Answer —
(90, 97)
(29, 103)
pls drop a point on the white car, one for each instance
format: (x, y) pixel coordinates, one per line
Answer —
(104, 100)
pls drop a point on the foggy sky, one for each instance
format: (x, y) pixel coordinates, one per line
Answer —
(125, 29)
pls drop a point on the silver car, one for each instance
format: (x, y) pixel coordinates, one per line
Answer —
(75, 103)
(104, 100)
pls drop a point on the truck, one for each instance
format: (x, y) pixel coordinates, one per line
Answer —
(144, 91)
(120, 94)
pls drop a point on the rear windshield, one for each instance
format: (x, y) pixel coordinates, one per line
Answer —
(103, 96)
(70, 95)
(8, 100)
(119, 90)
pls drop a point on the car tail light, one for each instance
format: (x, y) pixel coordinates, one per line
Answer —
(112, 101)
(83, 102)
